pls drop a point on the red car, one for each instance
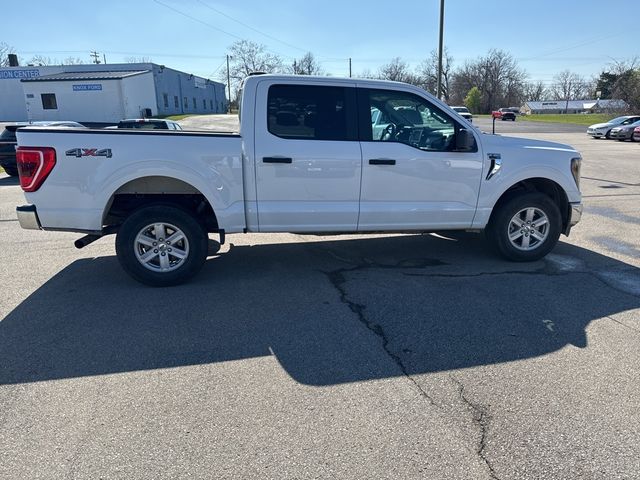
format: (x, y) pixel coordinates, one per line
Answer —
(504, 114)
(635, 137)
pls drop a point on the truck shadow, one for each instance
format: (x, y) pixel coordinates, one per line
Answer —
(329, 311)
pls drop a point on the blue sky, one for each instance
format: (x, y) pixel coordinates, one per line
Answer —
(193, 35)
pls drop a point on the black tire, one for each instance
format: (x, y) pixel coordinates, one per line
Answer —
(500, 224)
(193, 244)
(607, 135)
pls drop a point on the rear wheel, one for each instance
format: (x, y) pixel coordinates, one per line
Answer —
(526, 227)
(161, 245)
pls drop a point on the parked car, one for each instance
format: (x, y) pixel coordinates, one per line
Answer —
(504, 114)
(318, 169)
(464, 112)
(8, 142)
(636, 134)
(624, 132)
(599, 130)
(149, 124)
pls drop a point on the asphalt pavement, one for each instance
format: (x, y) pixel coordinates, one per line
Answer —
(302, 356)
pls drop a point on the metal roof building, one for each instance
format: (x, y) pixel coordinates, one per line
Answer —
(105, 93)
(574, 106)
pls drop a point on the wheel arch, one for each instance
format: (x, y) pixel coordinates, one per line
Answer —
(141, 191)
(543, 185)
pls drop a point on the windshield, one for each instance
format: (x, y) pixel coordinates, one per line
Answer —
(461, 109)
(617, 120)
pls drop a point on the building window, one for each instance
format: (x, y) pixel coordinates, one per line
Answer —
(204, 104)
(175, 101)
(49, 101)
(211, 104)
(186, 103)
(165, 97)
(195, 106)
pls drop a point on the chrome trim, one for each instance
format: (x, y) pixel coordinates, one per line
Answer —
(496, 164)
(28, 217)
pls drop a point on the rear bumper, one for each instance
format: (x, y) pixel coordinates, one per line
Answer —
(28, 217)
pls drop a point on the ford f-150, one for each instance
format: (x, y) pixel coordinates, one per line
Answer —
(312, 155)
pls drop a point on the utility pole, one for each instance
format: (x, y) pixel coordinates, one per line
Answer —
(441, 41)
(295, 68)
(349, 67)
(104, 58)
(228, 85)
(96, 57)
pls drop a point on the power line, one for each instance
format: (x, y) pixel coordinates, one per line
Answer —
(250, 27)
(207, 24)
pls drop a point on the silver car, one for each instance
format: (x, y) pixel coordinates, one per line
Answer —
(624, 132)
(600, 130)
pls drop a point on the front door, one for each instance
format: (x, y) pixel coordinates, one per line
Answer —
(412, 176)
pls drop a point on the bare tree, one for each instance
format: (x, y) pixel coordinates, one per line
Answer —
(42, 60)
(5, 50)
(497, 76)
(247, 57)
(307, 65)
(568, 85)
(427, 73)
(398, 71)
(138, 60)
(535, 92)
(72, 61)
(627, 81)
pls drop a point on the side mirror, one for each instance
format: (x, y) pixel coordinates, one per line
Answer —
(465, 141)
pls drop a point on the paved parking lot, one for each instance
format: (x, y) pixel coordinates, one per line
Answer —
(392, 356)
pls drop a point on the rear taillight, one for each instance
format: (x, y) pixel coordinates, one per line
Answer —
(34, 166)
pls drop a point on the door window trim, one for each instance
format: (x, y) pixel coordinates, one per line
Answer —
(350, 108)
(365, 130)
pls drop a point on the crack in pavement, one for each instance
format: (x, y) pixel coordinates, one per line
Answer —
(337, 279)
(481, 418)
(480, 415)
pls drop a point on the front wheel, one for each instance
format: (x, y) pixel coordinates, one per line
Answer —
(526, 227)
(161, 245)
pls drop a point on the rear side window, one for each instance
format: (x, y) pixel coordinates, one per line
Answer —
(309, 112)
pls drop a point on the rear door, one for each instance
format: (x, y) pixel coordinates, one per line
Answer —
(307, 154)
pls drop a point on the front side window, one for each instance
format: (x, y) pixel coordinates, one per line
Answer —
(49, 101)
(407, 118)
(309, 112)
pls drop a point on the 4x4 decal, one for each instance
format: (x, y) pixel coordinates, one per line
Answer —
(88, 152)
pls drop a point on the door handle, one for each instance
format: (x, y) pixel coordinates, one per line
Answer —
(382, 161)
(277, 160)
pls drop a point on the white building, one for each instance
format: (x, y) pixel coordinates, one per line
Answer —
(574, 106)
(90, 96)
(105, 93)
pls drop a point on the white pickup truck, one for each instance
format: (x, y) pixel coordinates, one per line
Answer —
(312, 155)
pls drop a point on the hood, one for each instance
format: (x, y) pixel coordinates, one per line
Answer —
(497, 141)
(603, 125)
